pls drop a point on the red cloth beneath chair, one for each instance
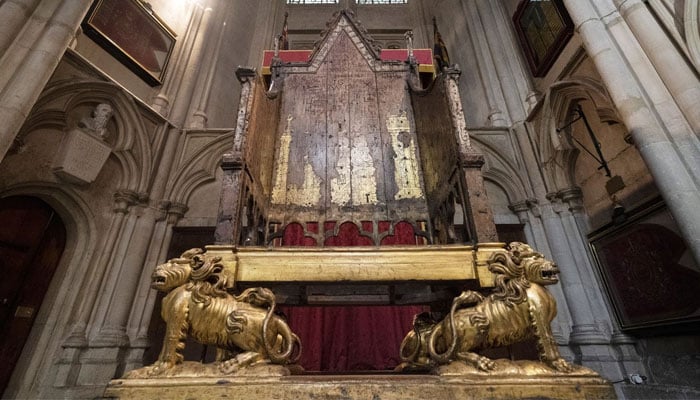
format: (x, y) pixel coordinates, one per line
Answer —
(350, 338)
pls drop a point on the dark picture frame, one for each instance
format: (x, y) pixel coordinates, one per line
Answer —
(132, 33)
(544, 28)
(648, 271)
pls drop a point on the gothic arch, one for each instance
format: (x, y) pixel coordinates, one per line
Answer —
(199, 168)
(61, 304)
(502, 172)
(557, 152)
(130, 145)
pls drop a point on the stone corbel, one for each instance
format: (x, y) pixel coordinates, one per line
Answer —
(171, 211)
(556, 202)
(521, 209)
(162, 208)
(176, 211)
(573, 197)
(123, 200)
(570, 199)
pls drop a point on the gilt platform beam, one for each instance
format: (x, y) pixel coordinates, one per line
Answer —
(357, 264)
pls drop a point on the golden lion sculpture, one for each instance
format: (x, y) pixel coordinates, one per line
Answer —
(520, 308)
(244, 328)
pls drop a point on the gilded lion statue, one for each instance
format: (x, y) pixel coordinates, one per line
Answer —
(520, 308)
(244, 328)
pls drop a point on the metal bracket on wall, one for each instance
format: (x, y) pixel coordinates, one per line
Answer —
(579, 115)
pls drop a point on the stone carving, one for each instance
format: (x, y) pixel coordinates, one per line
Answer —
(244, 328)
(520, 308)
(97, 123)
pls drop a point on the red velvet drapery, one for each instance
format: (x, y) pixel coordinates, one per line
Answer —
(350, 338)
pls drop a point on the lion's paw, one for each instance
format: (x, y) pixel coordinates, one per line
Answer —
(229, 366)
(158, 368)
(561, 365)
(485, 364)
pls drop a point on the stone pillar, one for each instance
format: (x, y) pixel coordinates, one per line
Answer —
(677, 180)
(538, 241)
(127, 274)
(142, 309)
(199, 115)
(669, 63)
(512, 81)
(77, 342)
(521, 210)
(572, 217)
(476, 32)
(585, 329)
(26, 68)
(611, 362)
(13, 16)
(179, 60)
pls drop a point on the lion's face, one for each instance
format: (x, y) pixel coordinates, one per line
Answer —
(172, 274)
(539, 270)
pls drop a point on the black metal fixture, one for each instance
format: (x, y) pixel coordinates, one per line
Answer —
(578, 114)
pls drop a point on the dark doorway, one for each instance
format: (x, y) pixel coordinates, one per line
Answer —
(32, 239)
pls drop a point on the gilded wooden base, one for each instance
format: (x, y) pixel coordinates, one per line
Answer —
(376, 386)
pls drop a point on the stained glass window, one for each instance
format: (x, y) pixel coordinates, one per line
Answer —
(543, 28)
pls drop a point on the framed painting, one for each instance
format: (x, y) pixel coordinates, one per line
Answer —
(543, 28)
(648, 271)
(132, 33)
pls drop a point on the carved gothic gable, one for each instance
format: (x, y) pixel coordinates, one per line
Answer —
(347, 147)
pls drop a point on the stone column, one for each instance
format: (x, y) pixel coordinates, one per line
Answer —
(521, 210)
(572, 218)
(142, 310)
(585, 330)
(126, 274)
(511, 81)
(168, 92)
(199, 116)
(69, 361)
(669, 63)
(476, 32)
(26, 68)
(676, 180)
(13, 16)
(538, 241)
(611, 362)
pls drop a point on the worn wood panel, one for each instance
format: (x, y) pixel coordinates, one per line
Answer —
(342, 155)
(437, 141)
(262, 129)
(405, 187)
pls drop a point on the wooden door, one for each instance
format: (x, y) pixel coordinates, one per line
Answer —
(32, 239)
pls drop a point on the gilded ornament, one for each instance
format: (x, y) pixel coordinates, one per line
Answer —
(309, 193)
(244, 328)
(519, 308)
(405, 162)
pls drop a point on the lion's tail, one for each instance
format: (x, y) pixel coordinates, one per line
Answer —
(284, 352)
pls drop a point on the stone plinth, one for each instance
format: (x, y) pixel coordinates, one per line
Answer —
(376, 386)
